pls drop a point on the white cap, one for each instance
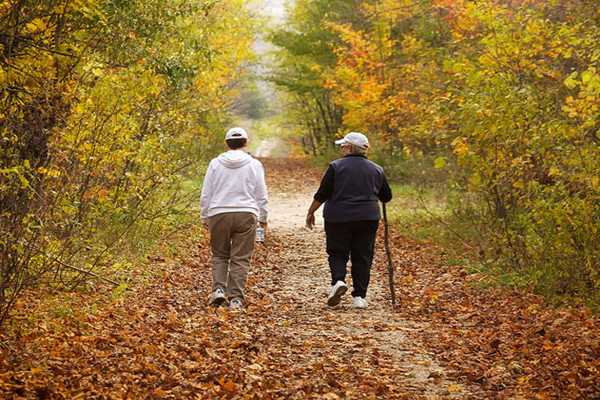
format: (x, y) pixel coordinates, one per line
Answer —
(355, 138)
(236, 133)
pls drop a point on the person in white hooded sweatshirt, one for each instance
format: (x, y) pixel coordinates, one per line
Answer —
(234, 201)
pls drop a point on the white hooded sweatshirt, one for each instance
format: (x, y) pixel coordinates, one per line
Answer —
(234, 182)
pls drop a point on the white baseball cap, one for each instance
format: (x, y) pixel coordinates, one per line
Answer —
(236, 133)
(355, 138)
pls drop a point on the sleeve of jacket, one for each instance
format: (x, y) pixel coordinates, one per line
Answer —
(327, 184)
(207, 190)
(261, 195)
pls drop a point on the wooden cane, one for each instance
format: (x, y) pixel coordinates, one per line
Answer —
(389, 255)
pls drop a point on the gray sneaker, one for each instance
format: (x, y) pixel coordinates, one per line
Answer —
(217, 298)
(236, 304)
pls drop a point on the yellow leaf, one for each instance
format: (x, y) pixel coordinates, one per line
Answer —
(571, 81)
(519, 184)
(461, 148)
(454, 388)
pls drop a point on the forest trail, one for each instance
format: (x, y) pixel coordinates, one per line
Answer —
(112, 109)
(363, 343)
(271, 147)
(161, 339)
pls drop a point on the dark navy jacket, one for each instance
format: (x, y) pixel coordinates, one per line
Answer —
(351, 190)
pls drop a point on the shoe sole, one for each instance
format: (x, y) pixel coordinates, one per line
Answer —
(218, 302)
(337, 296)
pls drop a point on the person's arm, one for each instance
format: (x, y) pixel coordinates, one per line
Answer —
(262, 197)
(385, 193)
(310, 216)
(206, 194)
(323, 194)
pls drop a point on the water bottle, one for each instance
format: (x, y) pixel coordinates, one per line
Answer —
(260, 234)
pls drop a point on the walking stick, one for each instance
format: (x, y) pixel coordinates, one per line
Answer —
(389, 255)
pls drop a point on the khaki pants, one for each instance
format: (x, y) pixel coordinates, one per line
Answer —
(232, 237)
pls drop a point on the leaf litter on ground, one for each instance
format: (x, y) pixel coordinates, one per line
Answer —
(446, 339)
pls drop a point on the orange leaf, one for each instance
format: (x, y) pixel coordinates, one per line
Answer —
(228, 386)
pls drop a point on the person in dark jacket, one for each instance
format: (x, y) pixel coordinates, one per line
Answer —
(351, 190)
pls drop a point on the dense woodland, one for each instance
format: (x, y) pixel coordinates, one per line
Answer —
(107, 106)
(502, 97)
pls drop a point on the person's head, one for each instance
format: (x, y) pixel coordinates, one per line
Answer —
(354, 143)
(353, 150)
(236, 138)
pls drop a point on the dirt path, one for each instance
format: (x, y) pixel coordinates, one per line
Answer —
(374, 341)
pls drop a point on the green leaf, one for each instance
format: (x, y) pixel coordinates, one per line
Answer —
(119, 292)
(440, 163)
(24, 182)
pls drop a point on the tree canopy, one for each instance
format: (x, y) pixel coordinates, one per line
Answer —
(503, 95)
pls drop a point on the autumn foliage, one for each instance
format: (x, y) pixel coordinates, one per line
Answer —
(503, 95)
(107, 107)
(447, 339)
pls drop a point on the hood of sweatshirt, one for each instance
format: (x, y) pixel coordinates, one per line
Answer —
(234, 159)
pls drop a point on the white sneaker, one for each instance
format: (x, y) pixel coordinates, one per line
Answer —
(217, 298)
(236, 304)
(336, 293)
(359, 302)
